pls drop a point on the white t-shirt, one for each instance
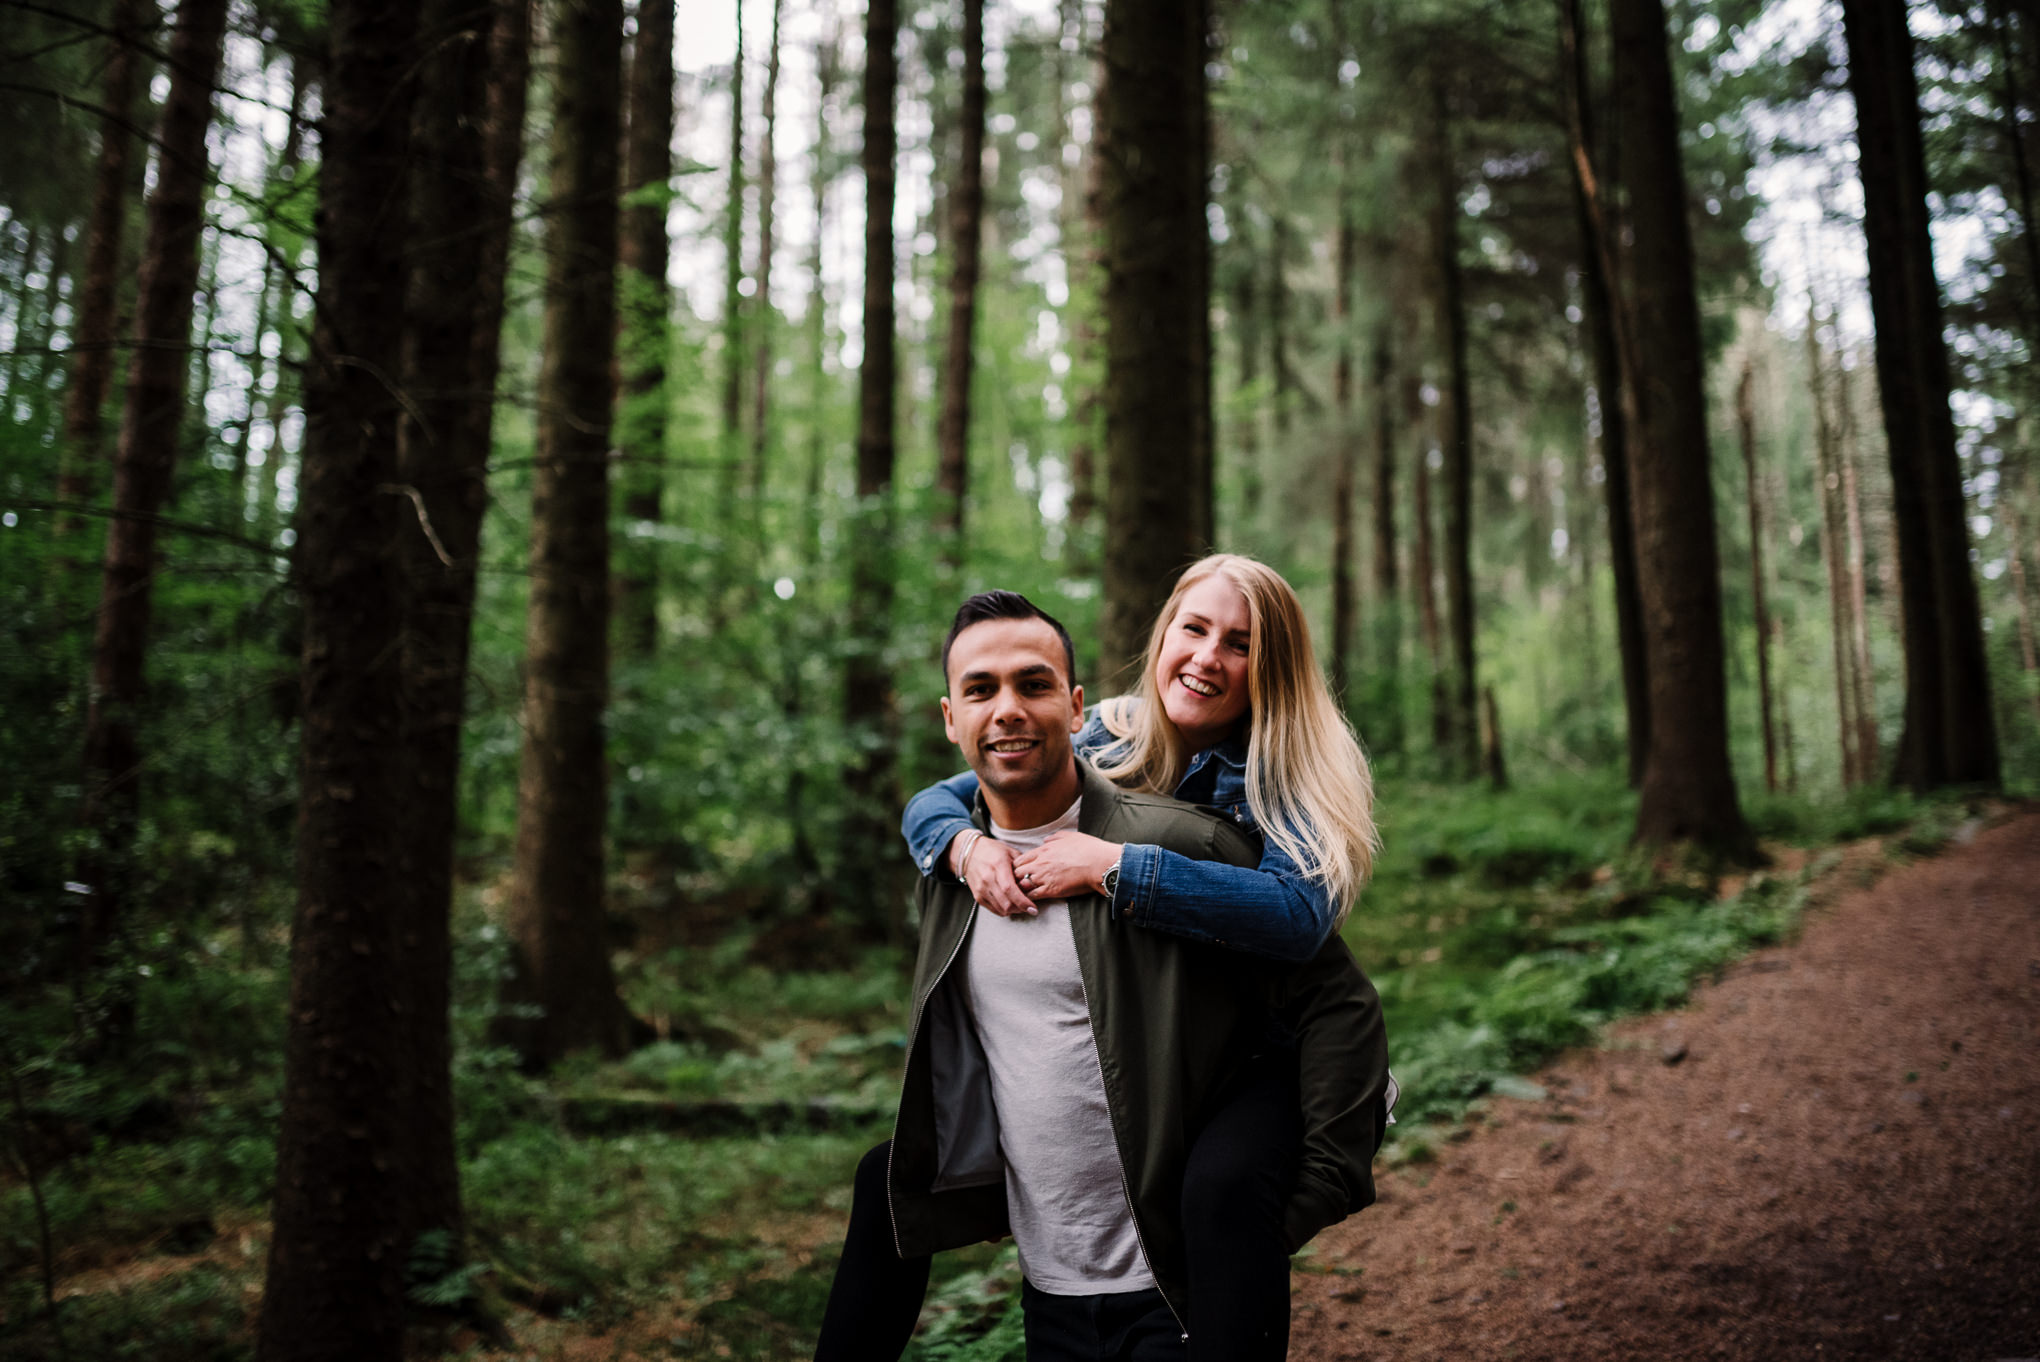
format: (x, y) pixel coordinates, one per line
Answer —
(1065, 1187)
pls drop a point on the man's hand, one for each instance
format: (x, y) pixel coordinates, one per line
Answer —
(1066, 865)
(990, 875)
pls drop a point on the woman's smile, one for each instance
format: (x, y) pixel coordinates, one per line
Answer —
(1201, 666)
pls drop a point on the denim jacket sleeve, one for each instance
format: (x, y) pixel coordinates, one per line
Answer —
(933, 818)
(1272, 910)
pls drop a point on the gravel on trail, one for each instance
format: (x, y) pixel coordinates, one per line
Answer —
(1832, 1152)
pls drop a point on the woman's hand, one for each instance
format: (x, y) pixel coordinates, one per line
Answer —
(1066, 865)
(989, 873)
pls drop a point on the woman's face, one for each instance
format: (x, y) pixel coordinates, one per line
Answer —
(1201, 666)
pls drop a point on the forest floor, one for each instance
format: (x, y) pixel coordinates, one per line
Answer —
(1829, 1152)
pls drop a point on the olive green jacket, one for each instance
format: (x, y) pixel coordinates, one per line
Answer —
(1174, 1020)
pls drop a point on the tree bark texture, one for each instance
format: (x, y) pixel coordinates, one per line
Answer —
(1492, 764)
(557, 889)
(646, 302)
(866, 858)
(1380, 390)
(1592, 193)
(1424, 578)
(1245, 324)
(1688, 791)
(1833, 552)
(1155, 246)
(463, 186)
(97, 307)
(1281, 376)
(151, 429)
(1204, 439)
(1950, 734)
(2015, 554)
(761, 357)
(1746, 430)
(347, 1154)
(1457, 441)
(966, 215)
(1862, 681)
(1346, 453)
(1083, 238)
(1385, 716)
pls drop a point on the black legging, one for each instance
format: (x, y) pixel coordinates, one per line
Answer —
(876, 1296)
(1235, 1184)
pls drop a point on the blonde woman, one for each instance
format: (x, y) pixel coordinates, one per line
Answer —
(1231, 712)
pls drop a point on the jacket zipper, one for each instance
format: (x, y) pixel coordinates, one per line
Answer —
(1125, 1189)
(913, 1036)
(1140, 1239)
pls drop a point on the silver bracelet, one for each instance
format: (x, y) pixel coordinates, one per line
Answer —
(963, 863)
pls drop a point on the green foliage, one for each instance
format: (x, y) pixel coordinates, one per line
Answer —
(975, 1316)
(193, 1316)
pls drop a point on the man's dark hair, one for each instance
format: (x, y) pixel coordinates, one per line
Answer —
(1006, 605)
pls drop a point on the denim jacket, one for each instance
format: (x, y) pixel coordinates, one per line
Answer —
(1272, 911)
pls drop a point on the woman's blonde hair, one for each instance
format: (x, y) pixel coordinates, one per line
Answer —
(1307, 779)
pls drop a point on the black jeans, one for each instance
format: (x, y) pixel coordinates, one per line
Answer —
(1235, 1188)
(876, 1296)
(1133, 1326)
(1241, 1167)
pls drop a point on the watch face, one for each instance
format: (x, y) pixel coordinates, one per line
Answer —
(1111, 881)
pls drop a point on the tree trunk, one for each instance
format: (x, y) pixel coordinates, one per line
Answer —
(2015, 552)
(1746, 428)
(557, 889)
(646, 300)
(1424, 577)
(1688, 791)
(826, 59)
(1592, 206)
(1083, 238)
(1457, 442)
(350, 1146)
(152, 419)
(200, 367)
(276, 403)
(1346, 454)
(1246, 328)
(466, 145)
(258, 369)
(1950, 734)
(1385, 720)
(1496, 769)
(1834, 557)
(1280, 376)
(1155, 248)
(866, 857)
(97, 301)
(2014, 111)
(966, 212)
(1204, 427)
(768, 176)
(1862, 682)
(733, 299)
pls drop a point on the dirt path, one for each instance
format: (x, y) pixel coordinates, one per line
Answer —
(1844, 1162)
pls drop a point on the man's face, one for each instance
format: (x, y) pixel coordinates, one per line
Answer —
(1011, 707)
